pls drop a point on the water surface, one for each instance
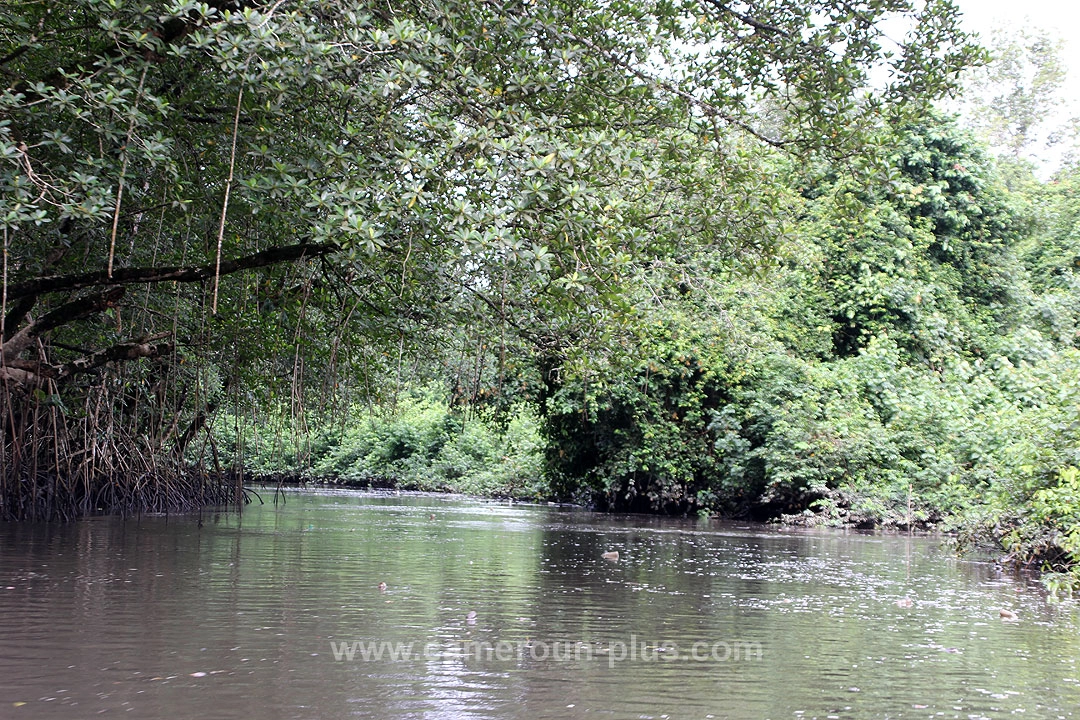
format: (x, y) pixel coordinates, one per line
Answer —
(497, 611)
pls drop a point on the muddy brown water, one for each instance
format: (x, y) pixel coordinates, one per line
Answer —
(497, 611)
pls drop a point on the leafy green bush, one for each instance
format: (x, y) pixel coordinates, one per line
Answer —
(422, 444)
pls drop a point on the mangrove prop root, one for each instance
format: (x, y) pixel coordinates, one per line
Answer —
(58, 468)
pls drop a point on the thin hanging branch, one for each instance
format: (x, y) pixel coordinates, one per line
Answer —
(225, 201)
(3, 299)
(123, 171)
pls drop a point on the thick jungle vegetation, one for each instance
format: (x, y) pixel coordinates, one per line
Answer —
(690, 256)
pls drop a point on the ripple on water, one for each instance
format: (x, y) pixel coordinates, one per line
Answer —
(510, 612)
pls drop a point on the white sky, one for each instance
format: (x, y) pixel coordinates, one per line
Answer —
(1060, 17)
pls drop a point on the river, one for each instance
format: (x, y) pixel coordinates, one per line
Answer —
(347, 605)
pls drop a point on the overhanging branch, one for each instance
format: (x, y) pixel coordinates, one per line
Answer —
(123, 351)
(756, 24)
(68, 312)
(146, 275)
(707, 108)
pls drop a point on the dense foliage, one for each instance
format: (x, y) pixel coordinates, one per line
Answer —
(264, 204)
(691, 256)
(421, 443)
(912, 359)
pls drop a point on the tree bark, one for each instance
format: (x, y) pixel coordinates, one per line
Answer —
(192, 273)
(62, 315)
(122, 351)
(24, 294)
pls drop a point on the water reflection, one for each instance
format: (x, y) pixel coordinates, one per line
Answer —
(511, 612)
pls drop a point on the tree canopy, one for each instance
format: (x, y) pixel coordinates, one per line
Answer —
(245, 197)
